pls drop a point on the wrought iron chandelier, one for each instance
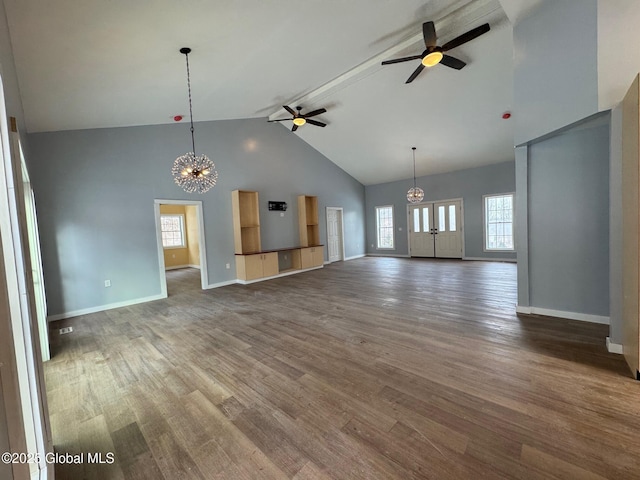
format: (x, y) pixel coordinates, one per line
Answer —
(194, 173)
(415, 194)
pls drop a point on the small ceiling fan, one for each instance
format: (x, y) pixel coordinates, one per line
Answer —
(300, 119)
(434, 54)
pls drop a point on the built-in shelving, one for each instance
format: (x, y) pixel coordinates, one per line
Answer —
(308, 221)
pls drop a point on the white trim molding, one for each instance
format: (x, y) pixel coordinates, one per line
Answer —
(101, 308)
(362, 255)
(387, 255)
(584, 317)
(614, 347)
(221, 284)
(490, 259)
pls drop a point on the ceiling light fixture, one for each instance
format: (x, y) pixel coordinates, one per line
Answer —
(299, 121)
(433, 58)
(415, 194)
(194, 173)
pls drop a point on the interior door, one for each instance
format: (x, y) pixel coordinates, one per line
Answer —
(630, 224)
(448, 241)
(334, 234)
(421, 230)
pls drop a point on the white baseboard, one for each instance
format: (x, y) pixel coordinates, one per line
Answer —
(490, 259)
(387, 255)
(194, 266)
(176, 267)
(584, 317)
(285, 274)
(101, 308)
(614, 347)
(221, 284)
(354, 257)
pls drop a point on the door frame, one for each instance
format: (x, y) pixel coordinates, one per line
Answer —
(204, 276)
(434, 202)
(341, 225)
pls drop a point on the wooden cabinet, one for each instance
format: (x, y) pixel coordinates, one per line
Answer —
(308, 221)
(252, 267)
(246, 221)
(254, 264)
(311, 257)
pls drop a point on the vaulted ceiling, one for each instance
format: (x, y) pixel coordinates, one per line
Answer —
(95, 63)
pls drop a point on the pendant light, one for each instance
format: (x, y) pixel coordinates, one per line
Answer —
(194, 173)
(415, 194)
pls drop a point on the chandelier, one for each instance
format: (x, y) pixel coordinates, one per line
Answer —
(194, 173)
(415, 194)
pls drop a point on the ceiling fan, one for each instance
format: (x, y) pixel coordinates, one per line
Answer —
(300, 119)
(434, 54)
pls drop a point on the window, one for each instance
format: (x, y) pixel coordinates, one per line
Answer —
(384, 225)
(498, 222)
(172, 227)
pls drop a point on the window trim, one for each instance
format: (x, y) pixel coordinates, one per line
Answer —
(393, 228)
(183, 230)
(484, 223)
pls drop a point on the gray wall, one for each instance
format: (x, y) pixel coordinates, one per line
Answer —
(568, 224)
(470, 185)
(555, 68)
(95, 192)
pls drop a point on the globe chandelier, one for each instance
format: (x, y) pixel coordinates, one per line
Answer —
(194, 173)
(415, 194)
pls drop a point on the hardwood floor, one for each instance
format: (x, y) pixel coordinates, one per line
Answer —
(377, 368)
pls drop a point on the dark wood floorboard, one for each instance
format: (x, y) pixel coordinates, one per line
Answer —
(377, 368)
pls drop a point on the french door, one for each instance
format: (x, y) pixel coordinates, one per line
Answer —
(435, 229)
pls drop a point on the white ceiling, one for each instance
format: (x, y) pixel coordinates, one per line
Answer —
(96, 63)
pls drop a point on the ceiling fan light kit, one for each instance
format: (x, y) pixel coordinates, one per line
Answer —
(194, 173)
(432, 59)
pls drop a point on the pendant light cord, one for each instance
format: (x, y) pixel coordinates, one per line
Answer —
(414, 166)
(193, 140)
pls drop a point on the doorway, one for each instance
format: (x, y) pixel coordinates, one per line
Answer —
(435, 229)
(335, 234)
(189, 224)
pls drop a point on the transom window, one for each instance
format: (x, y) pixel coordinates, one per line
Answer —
(384, 226)
(498, 222)
(172, 228)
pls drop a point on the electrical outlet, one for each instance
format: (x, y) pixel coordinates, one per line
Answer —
(107, 283)
(282, 214)
(173, 255)
(228, 266)
(65, 330)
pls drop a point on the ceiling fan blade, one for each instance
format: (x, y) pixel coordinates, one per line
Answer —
(403, 59)
(314, 113)
(452, 62)
(294, 128)
(415, 73)
(279, 120)
(290, 110)
(429, 34)
(466, 37)
(316, 123)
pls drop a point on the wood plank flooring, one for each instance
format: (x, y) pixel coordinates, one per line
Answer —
(377, 368)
